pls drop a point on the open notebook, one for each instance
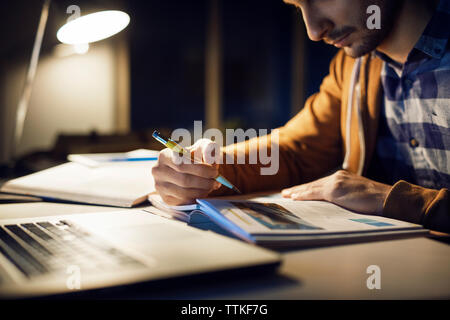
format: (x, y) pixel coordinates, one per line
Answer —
(120, 184)
(276, 222)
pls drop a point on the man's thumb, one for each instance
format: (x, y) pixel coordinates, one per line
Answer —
(208, 150)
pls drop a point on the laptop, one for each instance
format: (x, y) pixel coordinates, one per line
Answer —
(61, 254)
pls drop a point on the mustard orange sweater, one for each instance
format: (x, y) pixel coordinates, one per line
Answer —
(314, 143)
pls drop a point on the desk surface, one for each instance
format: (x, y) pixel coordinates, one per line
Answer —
(416, 268)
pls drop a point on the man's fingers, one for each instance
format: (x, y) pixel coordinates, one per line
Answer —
(307, 191)
(211, 152)
(312, 193)
(197, 169)
(206, 150)
(287, 193)
(186, 180)
(186, 195)
(172, 201)
(183, 183)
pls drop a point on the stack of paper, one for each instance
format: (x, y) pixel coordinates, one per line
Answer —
(123, 185)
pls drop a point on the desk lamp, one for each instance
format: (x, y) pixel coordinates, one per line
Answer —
(77, 31)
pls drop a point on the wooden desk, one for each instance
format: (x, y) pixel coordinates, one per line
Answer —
(416, 268)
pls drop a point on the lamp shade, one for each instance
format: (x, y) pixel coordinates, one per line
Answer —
(93, 27)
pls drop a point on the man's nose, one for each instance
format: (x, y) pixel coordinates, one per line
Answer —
(316, 26)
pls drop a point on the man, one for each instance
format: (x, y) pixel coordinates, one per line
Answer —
(382, 115)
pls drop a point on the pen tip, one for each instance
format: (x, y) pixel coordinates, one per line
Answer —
(237, 190)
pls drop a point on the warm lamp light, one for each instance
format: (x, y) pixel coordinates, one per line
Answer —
(93, 27)
(79, 32)
(81, 48)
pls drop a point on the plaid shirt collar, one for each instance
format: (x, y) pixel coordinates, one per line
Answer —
(434, 39)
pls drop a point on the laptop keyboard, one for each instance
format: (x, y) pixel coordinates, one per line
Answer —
(44, 247)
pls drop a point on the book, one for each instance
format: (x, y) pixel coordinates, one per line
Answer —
(11, 198)
(189, 214)
(124, 184)
(273, 221)
(104, 159)
(182, 213)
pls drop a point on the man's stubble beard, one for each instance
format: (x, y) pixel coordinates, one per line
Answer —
(371, 39)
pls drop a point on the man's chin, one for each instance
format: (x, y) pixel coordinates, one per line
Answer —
(357, 52)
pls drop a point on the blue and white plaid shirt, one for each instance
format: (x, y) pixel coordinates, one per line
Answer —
(414, 131)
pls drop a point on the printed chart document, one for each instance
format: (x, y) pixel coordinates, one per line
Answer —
(274, 221)
(122, 185)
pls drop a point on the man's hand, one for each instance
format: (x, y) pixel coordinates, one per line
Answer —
(345, 189)
(179, 182)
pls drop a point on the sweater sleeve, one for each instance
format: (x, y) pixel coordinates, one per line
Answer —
(415, 204)
(308, 146)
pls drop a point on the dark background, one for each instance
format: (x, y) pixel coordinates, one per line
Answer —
(167, 54)
(167, 40)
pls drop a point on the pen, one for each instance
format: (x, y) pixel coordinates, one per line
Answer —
(169, 143)
(98, 161)
(132, 159)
